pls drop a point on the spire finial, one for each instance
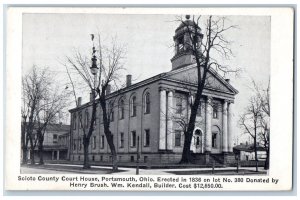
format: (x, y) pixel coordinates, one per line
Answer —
(187, 16)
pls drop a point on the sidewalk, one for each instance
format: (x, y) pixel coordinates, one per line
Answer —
(77, 169)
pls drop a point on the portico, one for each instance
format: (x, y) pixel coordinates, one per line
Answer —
(207, 141)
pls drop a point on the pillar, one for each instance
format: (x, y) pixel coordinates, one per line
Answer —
(170, 121)
(225, 122)
(57, 156)
(208, 117)
(162, 119)
(52, 155)
(229, 128)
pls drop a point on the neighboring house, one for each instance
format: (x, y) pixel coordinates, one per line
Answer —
(56, 142)
(150, 111)
(247, 152)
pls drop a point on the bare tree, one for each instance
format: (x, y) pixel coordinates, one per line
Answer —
(264, 135)
(49, 110)
(34, 88)
(42, 101)
(250, 121)
(203, 48)
(110, 66)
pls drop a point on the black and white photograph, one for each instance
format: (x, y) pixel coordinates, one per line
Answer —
(174, 100)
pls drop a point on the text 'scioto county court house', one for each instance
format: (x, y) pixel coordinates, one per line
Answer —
(153, 110)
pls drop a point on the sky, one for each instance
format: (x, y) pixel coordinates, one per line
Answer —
(49, 38)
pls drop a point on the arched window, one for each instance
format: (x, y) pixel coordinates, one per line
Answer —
(111, 113)
(121, 109)
(198, 137)
(214, 140)
(179, 106)
(147, 103)
(87, 118)
(215, 137)
(74, 121)
(215, 111)
(133, 106)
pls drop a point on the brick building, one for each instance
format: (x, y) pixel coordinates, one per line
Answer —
(151, 114)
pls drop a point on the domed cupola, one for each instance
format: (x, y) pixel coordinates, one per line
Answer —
(183, 43)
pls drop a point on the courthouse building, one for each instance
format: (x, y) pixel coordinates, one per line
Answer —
(153, 112)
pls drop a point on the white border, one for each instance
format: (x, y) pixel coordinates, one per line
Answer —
(281, 87)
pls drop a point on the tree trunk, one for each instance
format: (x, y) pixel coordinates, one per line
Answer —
(107, 132)
(23, 142)
(41, 152)
(86, 164)
(24, 153)
(113, 153)
(255, 153)
(115, 162)
(32, 162)
(267, 159)
(186, 153)
(188, 135)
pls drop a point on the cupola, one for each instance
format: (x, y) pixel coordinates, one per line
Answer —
(184, 34)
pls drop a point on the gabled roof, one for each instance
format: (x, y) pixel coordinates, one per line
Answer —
(218, 81)
(54, 127)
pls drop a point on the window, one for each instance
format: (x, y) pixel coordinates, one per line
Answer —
(121, 109)
(94, 142)
(74, 145)
(54, 138)
(147, 138)
(215, 111)
(197, 40)
(145, 159)
(132, 158)
(80, 119)
(199, 109)
(121, 140)
(87, 119)
(179, 105)
(111, 114)
(214, 140)
(133, 139)
(95, 122)
(80, 144)
(133, 106)
(177, 138)
(198, 135)
(180, 44)
(93, 158)
(74, 121)
(102, 142)
(147, 103)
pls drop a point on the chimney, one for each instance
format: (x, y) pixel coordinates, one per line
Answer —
(108, 89)
(79, 101)
(227, 80)
(128, 80)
